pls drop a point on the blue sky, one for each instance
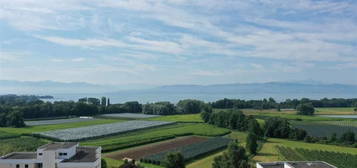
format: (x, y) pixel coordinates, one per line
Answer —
(160, 42)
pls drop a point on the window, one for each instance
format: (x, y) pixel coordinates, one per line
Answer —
(26, 166)
(65, 154)
(17, 166)
(40, 154)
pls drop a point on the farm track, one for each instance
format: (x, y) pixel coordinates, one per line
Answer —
(140, 152)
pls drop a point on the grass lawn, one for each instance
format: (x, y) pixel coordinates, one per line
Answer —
(205, 162)
(151, 135)
(179, 118)
(42, 128)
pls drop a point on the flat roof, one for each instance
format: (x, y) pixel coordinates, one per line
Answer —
(84, 154)
(316, 164)
(20, 155)
(298, 164)
(58, 145)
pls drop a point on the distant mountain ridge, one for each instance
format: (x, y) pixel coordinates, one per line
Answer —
(269, 87)
(240, 90)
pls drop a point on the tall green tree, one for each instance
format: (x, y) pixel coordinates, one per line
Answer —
(15, 119)
(252, 143)
(174, 160)
(190, 106)
(305, 109)
(348, 137)
(235, 157)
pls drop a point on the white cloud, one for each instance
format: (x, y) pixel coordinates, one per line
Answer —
(80, 59)
(85, 43)
(10, 56)
(57, 60)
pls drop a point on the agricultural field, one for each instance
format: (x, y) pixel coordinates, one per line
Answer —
(58, 121)
(151, 135)
(335, 111)
(42, 128)
(188, 118)
(81, 133)
(128, 115)
(207, 161)
(143, 151)
(20, 144)
(6, 135)
(191, 151)
(269, 153)
(319, 129)
(338, 159)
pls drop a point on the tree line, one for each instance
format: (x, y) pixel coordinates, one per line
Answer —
(288, 103)
(14, 109)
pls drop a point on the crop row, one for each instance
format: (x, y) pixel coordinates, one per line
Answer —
(338, 159)
(324, 130)
(82, 133)
(191, 151)
(129, 115)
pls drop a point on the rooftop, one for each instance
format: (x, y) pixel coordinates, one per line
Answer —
(20, 155)
(58, 145)
(84, 154)
(310, 165)
(298, 164)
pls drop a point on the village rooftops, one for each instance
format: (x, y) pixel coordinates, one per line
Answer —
(20, 155)
(295, 164)
(58, 145)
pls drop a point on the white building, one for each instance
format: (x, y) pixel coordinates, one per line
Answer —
(295, 164)
(55, 155)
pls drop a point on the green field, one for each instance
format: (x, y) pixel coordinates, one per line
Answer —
(179, 118)
(325, 129)
(20, 144)
(190, 124)
(42, 128)
(335, 110)
(338, 159)
(155, 134)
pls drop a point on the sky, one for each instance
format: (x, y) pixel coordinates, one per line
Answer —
(164, 42)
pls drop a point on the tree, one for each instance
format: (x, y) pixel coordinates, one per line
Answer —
(189, 106)
(348, 137)
(103, 163)
(130, 164)
(104, 101)
(254, 127)
(252, 144)
(15, 119)
(133, 107)
(305, 109)
(94, 101)
(174, 160)
(235, 157)
(333, 138)
(276, 127)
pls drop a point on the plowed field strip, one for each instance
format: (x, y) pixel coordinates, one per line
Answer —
(139, 152)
